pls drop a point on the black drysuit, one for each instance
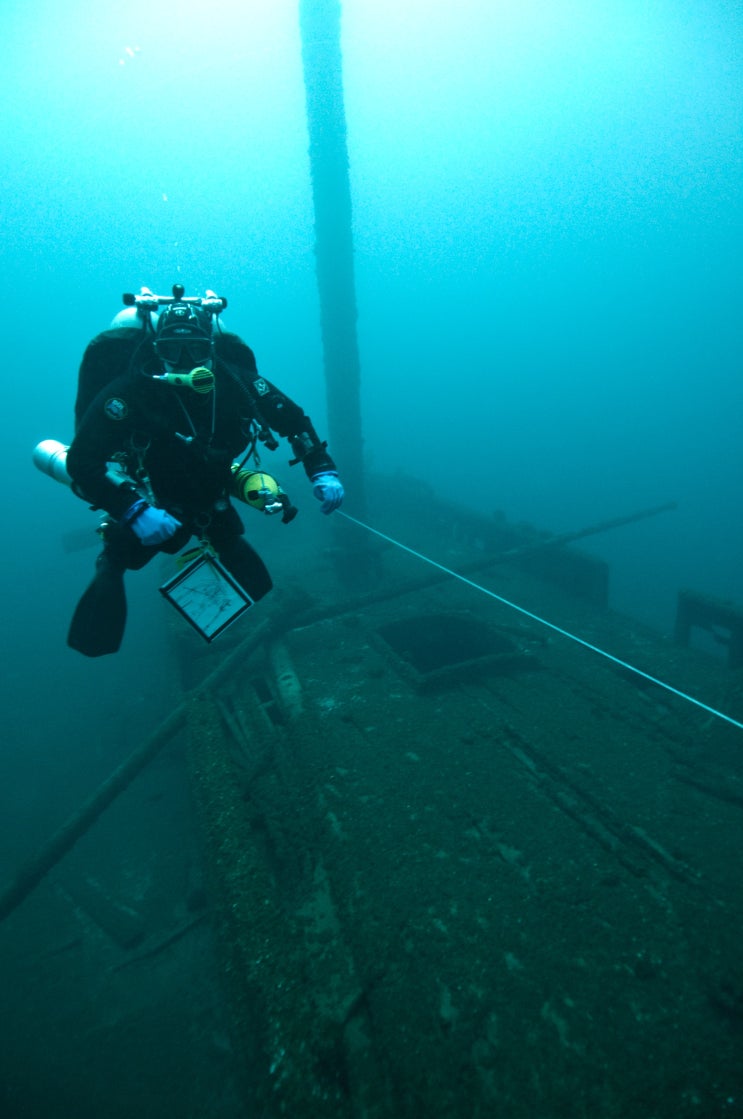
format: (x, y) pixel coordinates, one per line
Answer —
(184, 444)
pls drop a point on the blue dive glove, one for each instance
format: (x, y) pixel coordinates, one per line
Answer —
(328, 489)
(152, 526)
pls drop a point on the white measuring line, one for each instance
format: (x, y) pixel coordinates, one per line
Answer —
(550, 625)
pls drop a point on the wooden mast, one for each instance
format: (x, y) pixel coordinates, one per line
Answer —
(326, 121)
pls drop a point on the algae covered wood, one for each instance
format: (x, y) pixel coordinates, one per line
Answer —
(289, 976)
(494, 894)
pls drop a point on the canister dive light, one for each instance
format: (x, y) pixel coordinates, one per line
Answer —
(261, 491)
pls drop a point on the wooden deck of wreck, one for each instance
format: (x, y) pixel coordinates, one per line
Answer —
(456, 864)
(467, 881)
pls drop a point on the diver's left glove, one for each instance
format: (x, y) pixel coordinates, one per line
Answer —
(328, 489)
(152, 526)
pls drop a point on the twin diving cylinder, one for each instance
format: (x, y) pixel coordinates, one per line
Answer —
(255, 488)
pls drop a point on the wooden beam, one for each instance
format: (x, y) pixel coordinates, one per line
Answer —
(331, 192)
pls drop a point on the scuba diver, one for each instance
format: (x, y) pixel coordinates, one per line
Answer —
(167, 402)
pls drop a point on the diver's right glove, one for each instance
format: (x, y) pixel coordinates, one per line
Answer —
(152, 526)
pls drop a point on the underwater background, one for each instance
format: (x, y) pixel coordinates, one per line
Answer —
(547, 228)
(547, 220)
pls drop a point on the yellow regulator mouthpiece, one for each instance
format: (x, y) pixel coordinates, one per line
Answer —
(199, 379)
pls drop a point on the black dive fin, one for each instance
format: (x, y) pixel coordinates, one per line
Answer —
(97, 626)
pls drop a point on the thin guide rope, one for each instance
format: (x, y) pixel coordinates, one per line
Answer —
(550, 625)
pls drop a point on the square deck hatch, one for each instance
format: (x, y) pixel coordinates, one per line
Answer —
(436, 647)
